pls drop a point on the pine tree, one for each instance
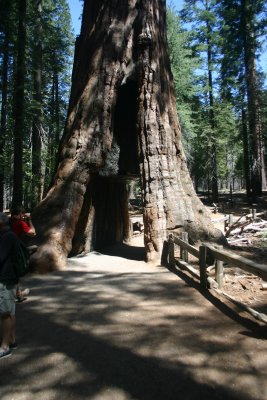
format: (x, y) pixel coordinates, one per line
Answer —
(183, 65)
(202, 16)
(5, 39)
(242, 25)
(34, 100)
(37, 109)
(249, 11)
(19, 104)
(59, 41)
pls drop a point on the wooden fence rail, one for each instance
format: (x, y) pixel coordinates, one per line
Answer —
(219, 254)
(205, 253)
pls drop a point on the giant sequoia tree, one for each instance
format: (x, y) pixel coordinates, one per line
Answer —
(122, 123)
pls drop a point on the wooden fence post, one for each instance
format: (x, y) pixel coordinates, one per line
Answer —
(254, 214)
(203, 266)
(219, 270)
(181, 248)
(183, 252)
(171, 251)
(131, 229)
(225, 223)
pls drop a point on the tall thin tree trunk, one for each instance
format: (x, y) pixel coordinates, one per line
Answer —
(122, 122)
(258, 166)
(37, 128)
(54, 131)
(19, 105)
(246, 151)
(214, 178)
(57, 107)
(3, 115)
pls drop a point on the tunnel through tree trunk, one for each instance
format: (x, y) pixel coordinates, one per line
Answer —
(122, 123)
(107, 197)
(125, 129)
(111, 208)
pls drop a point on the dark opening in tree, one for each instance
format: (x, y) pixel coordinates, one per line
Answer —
(125, 128)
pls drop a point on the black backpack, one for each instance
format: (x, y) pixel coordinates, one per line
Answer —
(22, 262)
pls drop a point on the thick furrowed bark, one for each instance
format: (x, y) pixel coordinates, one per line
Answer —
(122, 45)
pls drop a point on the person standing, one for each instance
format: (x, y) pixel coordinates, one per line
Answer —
(21, 223)
(9, 247)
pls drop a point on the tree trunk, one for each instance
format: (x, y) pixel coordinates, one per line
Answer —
(54, 130)
(258, 171)
(3, 124)
(19, 105)
(214, 178)
(37, 128)
(122, 123)
(246, 151)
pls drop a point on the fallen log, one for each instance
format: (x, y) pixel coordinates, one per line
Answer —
(246, 226)
(240, 240)
(236, 228)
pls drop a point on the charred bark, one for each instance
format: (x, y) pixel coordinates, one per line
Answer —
(122, 123)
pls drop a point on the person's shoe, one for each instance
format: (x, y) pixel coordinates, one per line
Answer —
(20, 299)
(13, 345)
(5, 352)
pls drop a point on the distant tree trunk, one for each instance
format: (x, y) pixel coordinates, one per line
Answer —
(57, 107)
(19, 105)
(4, 79)
(258, 179)
(54, 131)
(214, 178)
(246, 151)
(37, 128)
(122, 123)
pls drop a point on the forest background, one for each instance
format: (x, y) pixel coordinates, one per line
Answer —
(219, 74)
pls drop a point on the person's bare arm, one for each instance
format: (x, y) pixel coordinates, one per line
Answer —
(31, 231)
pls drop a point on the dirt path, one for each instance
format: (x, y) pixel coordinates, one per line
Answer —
(113, 328)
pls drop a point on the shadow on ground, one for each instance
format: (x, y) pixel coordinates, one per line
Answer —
(110, 330)
(126, 251)
(254, 328)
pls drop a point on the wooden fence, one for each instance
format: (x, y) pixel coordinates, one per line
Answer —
(218, 253)
(205, 254)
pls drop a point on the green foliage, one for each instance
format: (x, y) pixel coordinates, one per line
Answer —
(227, 135)
(211, 33)
(57, 52)
(183, 64)
(243, 26)
(207, 46)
